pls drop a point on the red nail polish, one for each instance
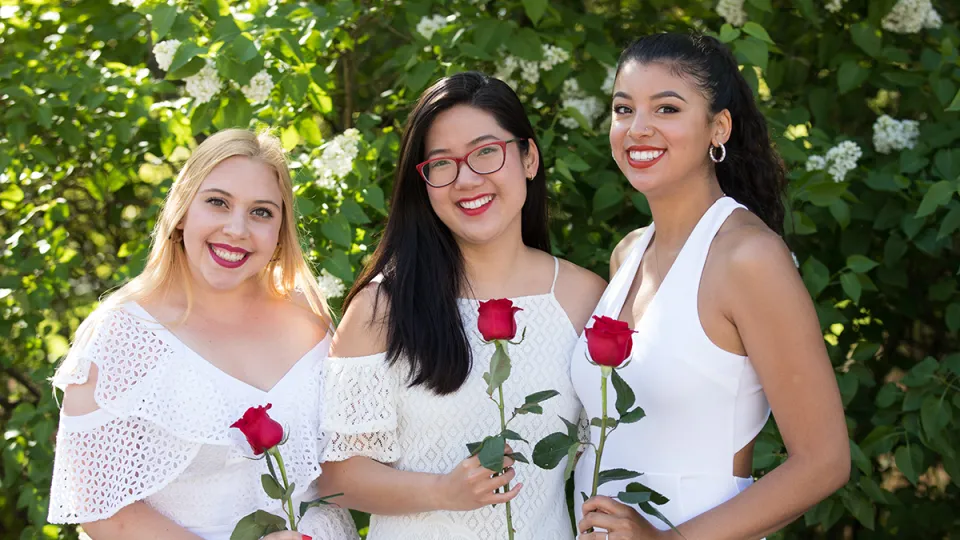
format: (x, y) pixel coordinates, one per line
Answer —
(306, 537)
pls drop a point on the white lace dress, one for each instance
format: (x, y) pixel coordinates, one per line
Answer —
(371, 411)
(162, 433)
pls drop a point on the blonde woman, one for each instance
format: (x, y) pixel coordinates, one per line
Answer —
(225, 316)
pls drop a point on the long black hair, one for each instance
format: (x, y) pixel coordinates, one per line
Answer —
(418, 256)
(752, 172)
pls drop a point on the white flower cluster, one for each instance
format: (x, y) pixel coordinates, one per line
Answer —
(910, 16)
(833, 6)
(610, 80)
(337, 158)
(732, 11)
(330, 285)
(890, 134)
(530, 70)
(428, 26)
(259, 88)
(839, 160)
(204, 84)
(164, 52)
(575, 98)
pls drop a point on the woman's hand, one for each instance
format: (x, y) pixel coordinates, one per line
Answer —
(620, 521)
(470, 485)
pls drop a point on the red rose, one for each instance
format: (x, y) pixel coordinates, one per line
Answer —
(261, 431)
(609, 341)
(496, 319)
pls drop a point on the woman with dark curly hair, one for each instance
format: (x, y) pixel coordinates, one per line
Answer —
(725, 328)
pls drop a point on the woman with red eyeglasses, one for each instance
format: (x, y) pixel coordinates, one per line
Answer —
(404, 387)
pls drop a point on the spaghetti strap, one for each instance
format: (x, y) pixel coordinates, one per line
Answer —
(556, 273)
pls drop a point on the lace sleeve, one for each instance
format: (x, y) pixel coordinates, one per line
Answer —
(360, 412)
(104, 463)
(119, 453)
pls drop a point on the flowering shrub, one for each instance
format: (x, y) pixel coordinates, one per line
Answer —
(102, 102)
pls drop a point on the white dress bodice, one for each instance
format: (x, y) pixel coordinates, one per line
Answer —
(702, 403)
(162, 433)
(371, 411)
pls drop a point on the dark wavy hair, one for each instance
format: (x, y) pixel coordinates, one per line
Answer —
(418, 256)
(752, 172)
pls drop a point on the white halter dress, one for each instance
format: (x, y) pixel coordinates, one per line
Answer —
(702, 403)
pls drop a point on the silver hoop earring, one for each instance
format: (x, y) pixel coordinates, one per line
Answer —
(723, 153)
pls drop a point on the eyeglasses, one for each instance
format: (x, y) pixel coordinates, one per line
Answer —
(484, 159)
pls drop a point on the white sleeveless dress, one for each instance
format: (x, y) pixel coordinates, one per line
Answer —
(371, 411)
(162, 433)
(703, 404)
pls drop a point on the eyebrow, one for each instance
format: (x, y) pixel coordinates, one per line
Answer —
(470, 144)
(227, 193)
(658, 95)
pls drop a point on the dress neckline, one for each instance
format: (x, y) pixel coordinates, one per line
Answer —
(217, 371)
(641, 248)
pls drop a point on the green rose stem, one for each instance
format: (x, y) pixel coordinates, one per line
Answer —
(506, 488)
(604, 375)
(275, 452)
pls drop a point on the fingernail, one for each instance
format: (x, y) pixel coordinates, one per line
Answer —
(306, 537)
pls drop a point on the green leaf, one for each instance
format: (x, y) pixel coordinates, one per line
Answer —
(248, 528)
(572, 453)
(612, 475)
(921, 372)
(535, 9)
(625, 396)
(633, 416)
(950, 223)
(267, 519)
(859, 458)
(271, 487)
(609, 195)
(909, 460)
(518, 457)
(867, 38)
(757, 31)
(952, 317)
(938, 195)
(840, 211)
(753, 51)
(762, 5)
(511, 435)
(860, 264)
(187, 51)
(955, 104)
(543, 395)
(573, 430)
(420, 75)
(728, 33)
(550, 450)
(526, 44)
(638, 488)
(851, 75)
(860, 507)
(499, 368)
(851, 286)
(322, 501)
(816, 276)
(244, 49)
(352, 211)
(947, 164)
(491, 454)
(935, 415)
(338, 230)
(162, 19)
(373, 195)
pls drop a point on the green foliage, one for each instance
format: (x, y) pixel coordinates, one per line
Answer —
(92, 131)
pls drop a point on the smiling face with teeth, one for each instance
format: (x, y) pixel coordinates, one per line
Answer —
(232, 226)
(662, 127)
(479, 208)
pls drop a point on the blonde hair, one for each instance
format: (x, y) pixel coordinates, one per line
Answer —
(167, 262)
